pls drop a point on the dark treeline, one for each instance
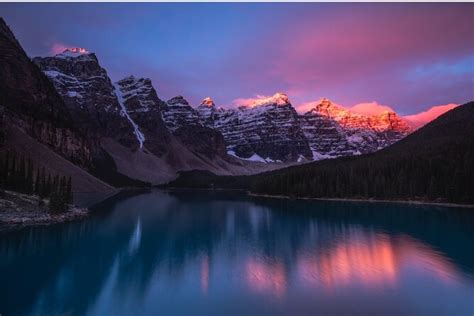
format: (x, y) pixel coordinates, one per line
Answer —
(20, 175)
(435, 163)
(448, 177)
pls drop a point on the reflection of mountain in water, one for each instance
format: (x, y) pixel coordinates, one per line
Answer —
(166, 241)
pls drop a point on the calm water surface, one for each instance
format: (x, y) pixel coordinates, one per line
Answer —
(202, 253)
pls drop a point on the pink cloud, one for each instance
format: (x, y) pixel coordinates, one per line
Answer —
(355, 44)
(361, 54)
(370, 108)
(422, 118)
(305, 107)
(57, 48)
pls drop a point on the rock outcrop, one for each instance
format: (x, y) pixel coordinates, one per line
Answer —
(144, 109)
(29, 101)
(185, 123)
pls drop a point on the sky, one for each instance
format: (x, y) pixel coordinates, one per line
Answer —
(408, 57)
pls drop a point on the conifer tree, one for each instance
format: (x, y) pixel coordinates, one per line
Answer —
(37, 182)
(69, 191)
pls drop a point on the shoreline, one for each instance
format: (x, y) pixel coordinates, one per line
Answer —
(413, 202)
(18, 210)
(250, 193)
(20, 222)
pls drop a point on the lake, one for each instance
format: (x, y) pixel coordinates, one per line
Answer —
(224, 253)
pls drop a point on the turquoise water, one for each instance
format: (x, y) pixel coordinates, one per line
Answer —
(203, 253)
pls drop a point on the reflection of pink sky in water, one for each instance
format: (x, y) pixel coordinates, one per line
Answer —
(266, 277)
(367, 262)
(361, 261)
(205, 274)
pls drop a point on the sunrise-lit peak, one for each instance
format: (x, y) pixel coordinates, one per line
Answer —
(208, 102)
(78, 50)
(325, 102)
(278, 98)
(73, 52)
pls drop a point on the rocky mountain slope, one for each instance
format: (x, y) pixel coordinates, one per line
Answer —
(130, 121)
(89, 94)
(334, 131)
(265, 131)
(184, 122)
(28, 100)
(143, 109)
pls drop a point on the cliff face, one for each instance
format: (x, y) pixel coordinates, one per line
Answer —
(30, 102)
(144, 109)
(184, 122)
(89, 95)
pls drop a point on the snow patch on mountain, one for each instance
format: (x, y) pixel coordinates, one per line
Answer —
(318, 156)
(254, 157)
(139, 135)
(74, 94)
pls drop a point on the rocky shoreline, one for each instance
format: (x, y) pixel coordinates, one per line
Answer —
(21, 210)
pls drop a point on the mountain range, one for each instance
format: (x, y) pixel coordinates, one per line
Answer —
(64, 112)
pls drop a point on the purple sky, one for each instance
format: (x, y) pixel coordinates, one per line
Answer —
(407, 56)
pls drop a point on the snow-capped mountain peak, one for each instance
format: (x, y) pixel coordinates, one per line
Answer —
(73, 52)
(179, 113)
(325, 106)
(208, 102)
(178, 101)
(139, 89)
(278, 98)
(325, 103)
(333, 130)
